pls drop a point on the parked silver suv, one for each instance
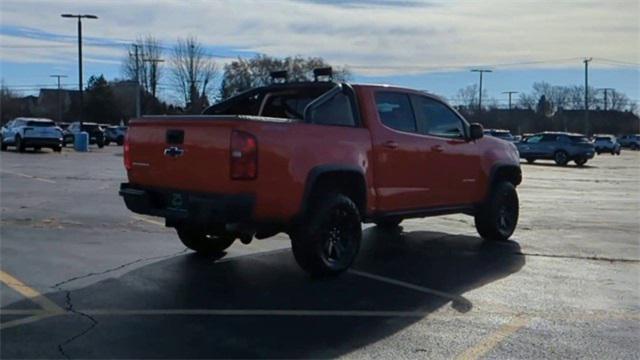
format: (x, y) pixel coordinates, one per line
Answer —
(606, 143)
(35, 133)
(558, 146)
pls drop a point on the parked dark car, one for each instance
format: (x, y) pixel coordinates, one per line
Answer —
(96, 135)
(630, 141)
(115, 134)
(558, 146)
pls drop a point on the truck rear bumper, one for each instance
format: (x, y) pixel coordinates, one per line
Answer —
(178, 206)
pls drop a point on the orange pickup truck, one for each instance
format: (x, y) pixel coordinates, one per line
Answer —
(316, 160)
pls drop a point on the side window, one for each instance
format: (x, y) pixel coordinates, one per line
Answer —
(435, 118)
(395, 111)
(335, 111)
(534, 139)
(551, 138)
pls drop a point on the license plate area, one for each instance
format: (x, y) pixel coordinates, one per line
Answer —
(177, 201)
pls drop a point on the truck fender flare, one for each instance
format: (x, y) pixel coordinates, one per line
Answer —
(320, 170)
(503, 171)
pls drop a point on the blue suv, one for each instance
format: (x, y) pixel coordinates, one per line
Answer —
(558, 146)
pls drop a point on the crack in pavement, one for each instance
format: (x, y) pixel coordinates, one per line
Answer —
(64, 282)
(69, 307)
(69, 304)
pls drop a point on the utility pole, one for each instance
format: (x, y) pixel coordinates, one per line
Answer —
(481, 71)
(80, 17)
(154, 71)
(586, 95)
(59, 106)
(605, 96)
(136, 46)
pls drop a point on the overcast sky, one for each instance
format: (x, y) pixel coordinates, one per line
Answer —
(424, 44)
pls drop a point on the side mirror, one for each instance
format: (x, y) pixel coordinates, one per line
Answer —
(476, 131)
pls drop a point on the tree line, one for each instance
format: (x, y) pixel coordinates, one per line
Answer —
(548, 99)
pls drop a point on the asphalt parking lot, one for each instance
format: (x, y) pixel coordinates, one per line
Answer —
(82, 277)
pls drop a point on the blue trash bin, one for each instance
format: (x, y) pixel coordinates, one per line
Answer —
(81, 141)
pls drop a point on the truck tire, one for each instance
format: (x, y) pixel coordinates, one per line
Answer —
(19, 144)
(202, 242)
(561, 157)
(388, 224)
(497, 218)
(328, 241)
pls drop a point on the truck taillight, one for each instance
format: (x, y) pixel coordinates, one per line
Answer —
(127, 153)
(243, 156)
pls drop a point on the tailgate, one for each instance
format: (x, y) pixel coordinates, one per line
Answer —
(181, 154)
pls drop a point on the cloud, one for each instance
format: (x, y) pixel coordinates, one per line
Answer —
(375, 37)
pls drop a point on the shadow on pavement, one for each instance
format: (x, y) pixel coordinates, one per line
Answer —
(448, 263)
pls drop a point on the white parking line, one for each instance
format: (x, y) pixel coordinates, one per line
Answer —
(28, 176)
(147, 220)
(456, 298)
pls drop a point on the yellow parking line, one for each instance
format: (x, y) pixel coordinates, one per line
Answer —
(495, 338)
(29, 293)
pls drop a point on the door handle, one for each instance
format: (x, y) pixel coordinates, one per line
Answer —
(390, 144)
(437, 148)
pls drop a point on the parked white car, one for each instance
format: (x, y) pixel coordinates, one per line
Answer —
(31, 133)
(606, 143)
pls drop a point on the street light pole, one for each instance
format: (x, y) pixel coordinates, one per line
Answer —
(510, 116)
(59, 106)
(136, 49)
(80, 17)
(510, 93)
(481, 71)
(586, 95)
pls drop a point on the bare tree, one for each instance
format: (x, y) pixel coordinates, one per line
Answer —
(193, 72)
(467, 97)
(527, 101)
(148, 72)
(617, 101)
(244, 74)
